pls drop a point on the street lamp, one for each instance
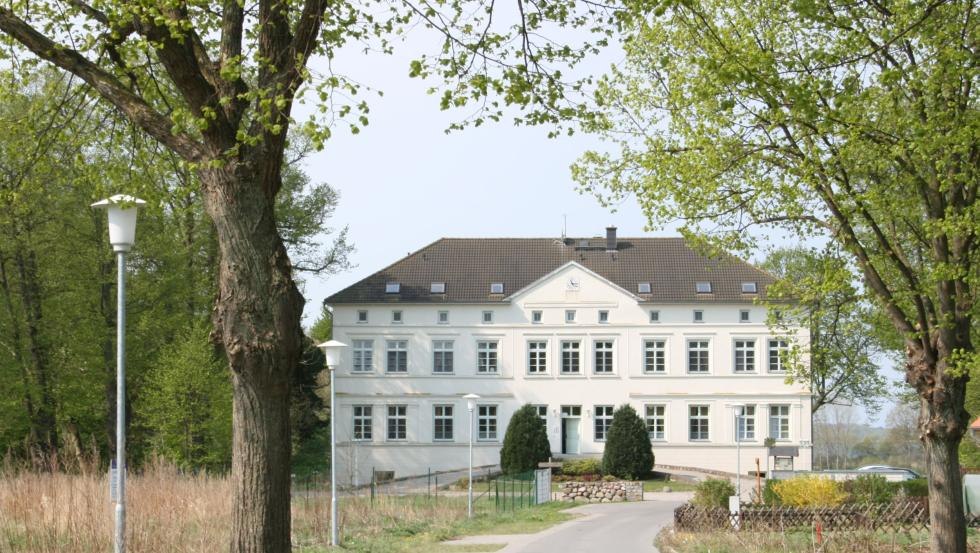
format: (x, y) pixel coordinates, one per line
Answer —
(331, 350)
(739, 413)
(470, 405)
(122, 235)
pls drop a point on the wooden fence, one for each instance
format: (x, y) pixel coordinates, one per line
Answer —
(895, 517)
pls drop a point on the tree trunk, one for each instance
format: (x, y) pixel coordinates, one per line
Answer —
(257, 322)
(946, 515)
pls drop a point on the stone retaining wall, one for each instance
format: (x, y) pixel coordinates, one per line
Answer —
(601, 492)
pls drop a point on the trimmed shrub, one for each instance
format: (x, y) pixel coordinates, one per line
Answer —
(810, 491)
(579, 467)
(628, 453)
(869, 488)
(713, 493)
(769, 495)
(525, 443)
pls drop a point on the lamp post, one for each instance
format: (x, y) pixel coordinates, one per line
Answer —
(331, 350)
(470, 405)
(122, 235)
(739, 413)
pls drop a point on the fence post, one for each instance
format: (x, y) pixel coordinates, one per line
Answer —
(428, 482)
(374, 484)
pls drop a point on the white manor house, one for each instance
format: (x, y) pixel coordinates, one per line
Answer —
(575, 327)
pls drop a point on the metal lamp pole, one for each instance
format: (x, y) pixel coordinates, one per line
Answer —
(739, 409)
(122, 235)
(470, 405)
(331, 351)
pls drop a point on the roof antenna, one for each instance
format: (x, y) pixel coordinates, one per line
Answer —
(564, 225)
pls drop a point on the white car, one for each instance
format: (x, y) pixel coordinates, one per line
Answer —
(909, 473)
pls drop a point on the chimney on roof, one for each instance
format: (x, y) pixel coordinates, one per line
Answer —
(610, 239)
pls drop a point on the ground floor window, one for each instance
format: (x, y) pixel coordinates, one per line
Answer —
(746, 424)
(779, 422)
(362, 423)
(698, 423)
(603, 420)
(397, 422)
(487, 422)
(442, 421)
(656, 418)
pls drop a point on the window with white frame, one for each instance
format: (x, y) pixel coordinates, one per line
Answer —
(362, 354)
(443, 317)
(536, 317)
(749, 288)
(603, 420)
(437, 288)
(487, 317)
(643, 288)
(362, 316)
(570, 362)
(363, 427)
(571, 411)
(442, 423)
(603, 353)
(654, 316)
(486, 422)
(778, 353)
(743, 315)
(744, 356)
(698, 316)
(397, 422)
(746, 423)
(496, 287)
(537, 357)
(603, 317)
(569, 315)
(486, 357)
(396, 316)
(397, 356)
(655, 356)
(442, 356)
(392, 288)
(542, 411)
(698, 356)
(656, 419)
(779, 422)
(698, 423)
(703, 287)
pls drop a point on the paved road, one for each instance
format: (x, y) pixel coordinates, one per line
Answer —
(616, 527)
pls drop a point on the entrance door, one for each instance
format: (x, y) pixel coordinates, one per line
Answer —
(569, 436)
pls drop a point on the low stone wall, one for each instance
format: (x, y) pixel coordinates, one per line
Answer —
(601, 492)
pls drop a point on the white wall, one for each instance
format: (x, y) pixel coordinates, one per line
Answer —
(629, 325)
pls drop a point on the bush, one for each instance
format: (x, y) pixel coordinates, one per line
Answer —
(628, 453)
(525, 443)
(579, 467)
(916, 487)
(869, 488)
(769, 495)
(810, 491)
(713, 493)
(609, 478)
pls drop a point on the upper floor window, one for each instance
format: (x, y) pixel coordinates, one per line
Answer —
(698, 316)
(603, 317)
(363, 430)
(654, 316)
(362, 316)
(536, 317)
(443, 317)
(655, 356)
(698, 359)
(749, 288)
(744, 356)
(437, 288)
(743, 315)
(603, 420)
(362, 356)
(656, 419)
(603, 356)
(487, 422)
(496, 287)
(397, 356)
(643, 288)
(396, 316)
(442, 423)
(746, 423)
(570, 357)
(703, 287)
(569, 315)
(778, 353)
(486, 357)
(698, 423)
(392, 288)
(487, 317)
(537, 357)
(442, 356)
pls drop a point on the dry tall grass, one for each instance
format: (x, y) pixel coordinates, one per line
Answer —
(170, 512)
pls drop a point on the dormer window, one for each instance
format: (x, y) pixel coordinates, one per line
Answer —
(749, 288)
(437, 288)
(393, 288)
(703, 287)
(643, 288)
(496, 287)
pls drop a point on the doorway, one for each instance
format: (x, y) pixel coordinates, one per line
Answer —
(569, 436)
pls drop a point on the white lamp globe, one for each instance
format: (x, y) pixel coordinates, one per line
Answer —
(332, 350)
(122, 220)
(471, 401)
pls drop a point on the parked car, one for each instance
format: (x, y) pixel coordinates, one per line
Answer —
(908, 473)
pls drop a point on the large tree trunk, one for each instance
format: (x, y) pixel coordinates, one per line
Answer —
(257, 322)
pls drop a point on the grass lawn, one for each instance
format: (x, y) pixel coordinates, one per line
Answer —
(799, 541)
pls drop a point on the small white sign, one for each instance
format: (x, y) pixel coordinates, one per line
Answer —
(113, 483)
(734, 505)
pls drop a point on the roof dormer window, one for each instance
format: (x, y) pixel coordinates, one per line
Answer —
(393, 288)
(643, 288)
(703, 287)
(749, 288)
(496, 287)
(437, 288)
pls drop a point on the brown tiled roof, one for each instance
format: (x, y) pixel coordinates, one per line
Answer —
(469, 265)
